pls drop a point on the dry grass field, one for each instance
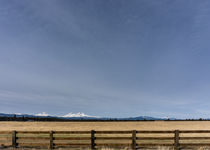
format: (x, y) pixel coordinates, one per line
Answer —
(100, 126)
(147, 125)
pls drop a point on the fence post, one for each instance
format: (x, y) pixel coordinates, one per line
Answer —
(176, 139)
(51, 140)
(92, 140)
(134, 139)
(14, 144)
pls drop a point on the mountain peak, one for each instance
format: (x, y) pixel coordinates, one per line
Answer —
(44, 114)
(79, 114)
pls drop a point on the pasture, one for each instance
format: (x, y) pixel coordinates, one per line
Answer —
(77, 126)
(130, 134)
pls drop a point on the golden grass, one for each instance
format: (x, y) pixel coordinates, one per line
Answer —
(82, 126)
(66, 126)
(158, 148)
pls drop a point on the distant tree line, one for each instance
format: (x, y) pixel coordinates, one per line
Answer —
(26, 118)
(23, 118)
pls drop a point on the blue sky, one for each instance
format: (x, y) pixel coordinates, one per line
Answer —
(113, 58)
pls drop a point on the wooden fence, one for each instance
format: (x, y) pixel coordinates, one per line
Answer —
(95, 139)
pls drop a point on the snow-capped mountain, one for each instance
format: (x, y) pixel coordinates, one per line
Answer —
(44, 114)
(79, 114)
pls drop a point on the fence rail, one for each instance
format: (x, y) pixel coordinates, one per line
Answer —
(133, 139)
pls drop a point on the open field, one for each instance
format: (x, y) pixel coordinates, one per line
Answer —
(61, 135)
(144, 125)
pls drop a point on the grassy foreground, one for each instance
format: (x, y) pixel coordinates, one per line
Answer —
(158, 148)
(83, 126)
(77, 126)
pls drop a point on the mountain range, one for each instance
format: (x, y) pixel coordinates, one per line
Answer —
(80, 116)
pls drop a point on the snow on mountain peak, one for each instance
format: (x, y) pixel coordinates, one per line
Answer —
(69, 115)
(44, 114)
(79, 114)
(18, 113)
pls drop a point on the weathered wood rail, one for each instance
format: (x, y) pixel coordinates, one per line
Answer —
(134, 139)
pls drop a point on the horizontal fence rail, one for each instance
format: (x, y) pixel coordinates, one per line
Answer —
(133, 139)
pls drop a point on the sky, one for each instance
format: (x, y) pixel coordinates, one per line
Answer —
(110, 58)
